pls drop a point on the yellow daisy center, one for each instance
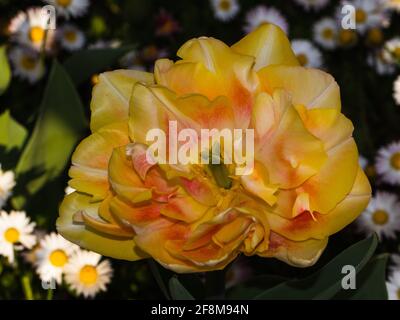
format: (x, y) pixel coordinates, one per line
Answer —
(11, 235)
(375, 35)
(28, 63)
(64, 3)
(327, 33)
(36, 34)
(70, 36)
(58, 258)
(225, 5)
(361, 16)
(346, 36)
(88, 275)
(380, 217)
(395, 161)
(396, 52)
(303, 60)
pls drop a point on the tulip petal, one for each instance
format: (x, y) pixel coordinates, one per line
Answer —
(211, 68)
(90, 159)
(309, 87)
(269, 45)
(290, 152)
(110, 98)
(320, 226)
(107, 245)
(124, 179)
(295, 253)
(337, 175)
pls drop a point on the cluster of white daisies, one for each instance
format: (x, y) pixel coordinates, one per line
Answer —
(382, 215)
(54, 258)
(371, 16)
(32, 37)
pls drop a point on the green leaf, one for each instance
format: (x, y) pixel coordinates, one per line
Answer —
(5, 71)
(60, 124)
(85, 63)
(12, 134)
(254, 287)
(370, 282)
(326, 282)
(158, 276)
(178, 291)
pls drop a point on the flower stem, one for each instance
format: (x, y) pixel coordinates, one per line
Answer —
(26, 286)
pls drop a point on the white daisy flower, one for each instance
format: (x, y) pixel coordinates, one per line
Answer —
(387, 163)
(379, 62)
(7, 183)
(86, 274)
(27, 64)
(381, 216)
(393, 4)
(393, 286)
(52, 256)
(396, 91)
(15, 233)
(313, 4)
(70, 37)
(225, 10)
(325, 33)
(368, 14)
(29, 29)
(261, 14)
(307, 54)
(395, 258)
(70, 8)
(392, 50)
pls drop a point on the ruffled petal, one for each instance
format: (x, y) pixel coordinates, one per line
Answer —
(89, 171)
(319, 226)
(110, 98)
(295, 253)
(309, 87)
(269, 45)
(77, 232)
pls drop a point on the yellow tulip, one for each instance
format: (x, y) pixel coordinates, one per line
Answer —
(306, 184)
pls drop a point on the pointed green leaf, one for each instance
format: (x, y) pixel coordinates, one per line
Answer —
(5, 71)
(326, 282)
(60, 124)
(12, 134)
(178, 291)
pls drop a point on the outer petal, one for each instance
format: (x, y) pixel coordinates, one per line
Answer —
(89, 171)
(289, 151)
(337, 175)
(295, 253)
(211, 68)
(269, 45)
(309, 87)
(110, 99)
(107, 245)
(320, 226)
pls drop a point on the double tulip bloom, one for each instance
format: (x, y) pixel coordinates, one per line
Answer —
(306, 183)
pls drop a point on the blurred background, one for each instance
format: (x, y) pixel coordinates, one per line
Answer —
(38, 130)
